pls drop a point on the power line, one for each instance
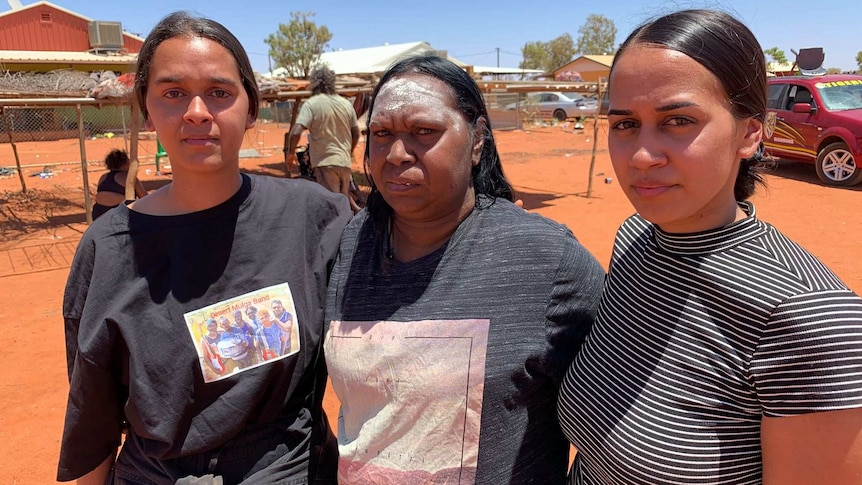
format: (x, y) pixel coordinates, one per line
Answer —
(473, 55)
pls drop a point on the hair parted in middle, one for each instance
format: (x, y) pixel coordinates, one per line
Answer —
(488, 179)
(730, 51)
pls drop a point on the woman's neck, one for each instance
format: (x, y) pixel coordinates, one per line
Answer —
(190, 193)
(411, 240)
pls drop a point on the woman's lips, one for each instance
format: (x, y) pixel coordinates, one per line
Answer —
(651, 190)
(400, 186)
(203, 141)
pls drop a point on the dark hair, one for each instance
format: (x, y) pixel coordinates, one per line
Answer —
(116, 159)
(183, 24)
(322, 80)
(487, 176)
(727, 49)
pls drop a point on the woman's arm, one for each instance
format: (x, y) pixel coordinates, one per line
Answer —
(814, 448)
(99, 475)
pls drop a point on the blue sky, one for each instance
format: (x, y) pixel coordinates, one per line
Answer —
(472, 30)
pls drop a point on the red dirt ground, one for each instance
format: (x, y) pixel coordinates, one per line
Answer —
(548, 166)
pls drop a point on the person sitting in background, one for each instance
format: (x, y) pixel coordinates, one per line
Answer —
(111, 189)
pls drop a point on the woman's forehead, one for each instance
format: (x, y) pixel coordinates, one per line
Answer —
(415, 89)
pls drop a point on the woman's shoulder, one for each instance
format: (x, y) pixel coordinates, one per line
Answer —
(506, 226)
(293, 190)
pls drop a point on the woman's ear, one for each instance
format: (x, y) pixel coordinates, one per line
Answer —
(479, 139)
(148, 124)
(751, 138)
(249, 123)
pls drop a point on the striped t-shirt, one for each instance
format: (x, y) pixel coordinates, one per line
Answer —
(697, 337)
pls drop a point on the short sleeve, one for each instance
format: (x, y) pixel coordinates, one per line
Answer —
(809, 358)
(572, 306)
(94, 419)
(305, 115)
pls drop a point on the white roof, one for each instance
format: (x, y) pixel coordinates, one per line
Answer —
(66, 57)
(505, 70)
(369, 60)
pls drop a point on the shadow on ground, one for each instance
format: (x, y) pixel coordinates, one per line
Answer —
(803, 172)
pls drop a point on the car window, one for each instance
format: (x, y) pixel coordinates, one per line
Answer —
(798, 94)
(841, 95)
(775, 96)
(551, 98)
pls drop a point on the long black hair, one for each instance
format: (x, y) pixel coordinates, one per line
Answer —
(727, 49)
(489, 182)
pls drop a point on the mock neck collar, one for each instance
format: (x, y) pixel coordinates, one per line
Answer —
(713, 240)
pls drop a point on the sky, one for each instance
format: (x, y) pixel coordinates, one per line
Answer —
(477, 31)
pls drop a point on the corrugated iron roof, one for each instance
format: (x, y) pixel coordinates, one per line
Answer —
(65, 57)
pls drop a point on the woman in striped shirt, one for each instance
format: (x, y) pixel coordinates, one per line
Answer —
(723, 352)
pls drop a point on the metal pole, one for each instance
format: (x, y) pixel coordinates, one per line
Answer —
(88, 210)
(14, 149)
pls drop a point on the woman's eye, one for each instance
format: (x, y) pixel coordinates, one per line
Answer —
(380, 133)
(173, 93)
(624, 125)
(221, 93)
(424, 131)
(679, 121)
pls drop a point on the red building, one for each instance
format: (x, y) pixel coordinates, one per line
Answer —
(44, 36)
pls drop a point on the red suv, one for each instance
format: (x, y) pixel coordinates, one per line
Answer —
(817, 119)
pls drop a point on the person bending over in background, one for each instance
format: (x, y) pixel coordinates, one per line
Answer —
(333, 133)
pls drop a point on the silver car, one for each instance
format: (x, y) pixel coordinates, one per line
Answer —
(560, 106)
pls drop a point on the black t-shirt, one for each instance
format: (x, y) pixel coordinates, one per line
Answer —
(137, 302)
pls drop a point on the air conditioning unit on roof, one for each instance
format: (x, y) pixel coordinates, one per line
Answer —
(439, 53)
(106, 35)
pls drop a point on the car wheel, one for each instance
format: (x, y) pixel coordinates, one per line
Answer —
(837, 166)
(560, 115)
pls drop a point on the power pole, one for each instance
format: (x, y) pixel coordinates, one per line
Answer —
(498, 57)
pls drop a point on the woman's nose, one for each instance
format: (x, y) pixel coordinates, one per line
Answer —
(399, 152)
(647, 154)
(198, 112)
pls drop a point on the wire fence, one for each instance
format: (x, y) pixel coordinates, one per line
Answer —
(48, 135)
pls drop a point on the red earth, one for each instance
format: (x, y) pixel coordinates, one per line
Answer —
(549, 167)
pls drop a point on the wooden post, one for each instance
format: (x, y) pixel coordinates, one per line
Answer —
(134, 127)
(88, 208)
(595, 141)
(294, 112)
(14, 150)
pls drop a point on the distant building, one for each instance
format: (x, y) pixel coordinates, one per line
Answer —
(43, 36)
(588, 68)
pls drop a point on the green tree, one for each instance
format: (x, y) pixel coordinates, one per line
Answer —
(561, 51)
(597, 36)
(859, 60)
(534, 55)
(776, 54)
(297, 45)
(548, 56)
